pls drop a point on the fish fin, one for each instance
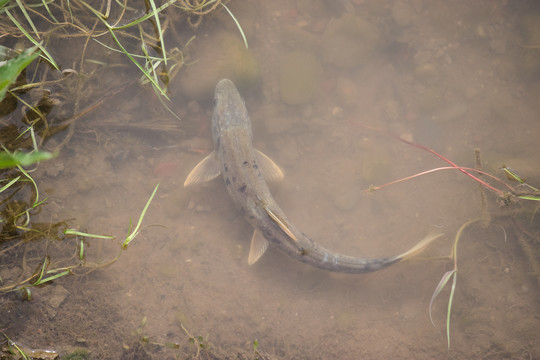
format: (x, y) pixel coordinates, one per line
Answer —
(269, 169)
(418, 248)
(206, 170)
(281, 223)
(258, 247)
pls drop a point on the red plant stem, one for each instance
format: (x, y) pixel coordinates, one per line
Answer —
(453, 164)
(460, 168)
(425, 148)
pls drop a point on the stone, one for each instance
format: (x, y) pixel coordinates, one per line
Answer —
(221, 56)
(350, 41)
(52, 296)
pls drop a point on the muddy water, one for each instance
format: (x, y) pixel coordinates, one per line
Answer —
(451, 76)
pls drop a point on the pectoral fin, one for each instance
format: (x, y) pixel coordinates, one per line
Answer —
(258, 246)
(269, 169)
(204, 171)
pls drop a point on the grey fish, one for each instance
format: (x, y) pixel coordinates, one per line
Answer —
(245, 171)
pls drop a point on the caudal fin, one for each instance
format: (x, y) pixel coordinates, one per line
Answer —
(418, 248)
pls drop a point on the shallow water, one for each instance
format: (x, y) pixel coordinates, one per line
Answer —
(450, 76)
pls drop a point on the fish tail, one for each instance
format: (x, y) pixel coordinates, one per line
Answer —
(418, 248)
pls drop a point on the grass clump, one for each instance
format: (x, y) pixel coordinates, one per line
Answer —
(51, 101)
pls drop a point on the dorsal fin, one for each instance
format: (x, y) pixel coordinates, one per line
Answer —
(280, 222)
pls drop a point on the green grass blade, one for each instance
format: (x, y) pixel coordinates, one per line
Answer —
(450, 299)
(11, 343)
(9, 160)
(24, 225)
(153, 58)
(237, 24)
(146, 73)
(29, 37)
(42, 272)
(10, 69)
(153, 63)
(23, 10)
(145, 17)
(33, 137)
(9, 184)
(160, 32)
(36, 201)
(529, 197)
(44, 2)
(150, 64)
(135, 231)
(512, 175)
(438, 289)
(53, 277)
(168, 108)
(79, 233)
(129, 55)
(81, 251)
(69, 10)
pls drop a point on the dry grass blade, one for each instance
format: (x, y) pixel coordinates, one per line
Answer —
(161, 125)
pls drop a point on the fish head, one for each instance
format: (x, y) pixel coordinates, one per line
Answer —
(230, 113)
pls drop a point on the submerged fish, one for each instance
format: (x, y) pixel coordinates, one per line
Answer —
(245, 171)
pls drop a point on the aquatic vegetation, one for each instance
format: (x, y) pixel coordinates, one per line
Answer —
(451, 274)
(22, 201)
(78, 354)
(9, 160)
(133, 233)
(11, 69)
(75, 96)
(46, 271)
(82, 16)
(510, 196)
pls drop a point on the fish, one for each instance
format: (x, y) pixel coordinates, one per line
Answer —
(247, 171)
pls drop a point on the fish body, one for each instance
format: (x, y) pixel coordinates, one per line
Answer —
(246, 171)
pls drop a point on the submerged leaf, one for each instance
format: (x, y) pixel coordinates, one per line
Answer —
(450, 299)
(10, 69)
(438, 289)
(8, 160)
(512, 175)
